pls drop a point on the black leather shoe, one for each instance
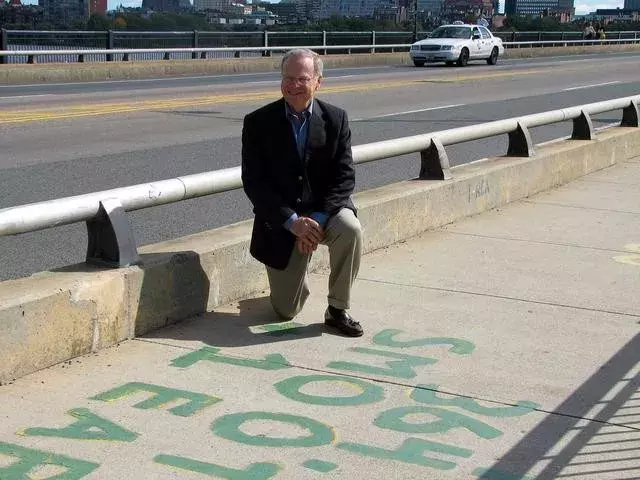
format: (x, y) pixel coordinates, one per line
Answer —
(344, 322)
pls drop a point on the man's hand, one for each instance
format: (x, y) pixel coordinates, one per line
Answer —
(308, 232)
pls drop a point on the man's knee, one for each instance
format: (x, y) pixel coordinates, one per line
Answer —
(349, 225)
(288, 308)
(285, 315)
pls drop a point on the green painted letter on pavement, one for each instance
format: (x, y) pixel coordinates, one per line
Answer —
(393, 420)
(228, 427)
(255, 471)
(273, 361)
(427, 394)
(163, 395)
(385, 338)
(290, 388)
(29, 459)
(88, 427)
(411, 451)
(402, 368)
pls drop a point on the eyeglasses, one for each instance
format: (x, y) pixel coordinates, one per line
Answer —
(299, 80)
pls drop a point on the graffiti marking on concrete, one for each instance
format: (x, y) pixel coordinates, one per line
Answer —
(162, 395)
(29, 460)
(367, 392)
(273, 361)
(88, 427)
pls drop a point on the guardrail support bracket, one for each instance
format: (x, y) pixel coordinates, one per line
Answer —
(583, 128)
(434, 162)
(111, 241)
(520, 144)
(630, 115)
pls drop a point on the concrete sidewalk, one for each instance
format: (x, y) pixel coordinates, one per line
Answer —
(501, 347)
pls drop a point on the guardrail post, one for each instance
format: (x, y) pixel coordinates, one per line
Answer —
(630, 115)
(324, 41)
(4, 45)
(266, 53)
(111, 241)
(194, 44)
(109, 45)
(373, 41)
(520, 144)
(434, 163)
(582, 127)
(81, 58)
(167, 56)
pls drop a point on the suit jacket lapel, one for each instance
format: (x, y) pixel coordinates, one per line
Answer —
(316, 136)
(283, 130)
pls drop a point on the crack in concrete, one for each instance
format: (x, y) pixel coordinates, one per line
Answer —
(501, 297)
(541, 242)
(579, 207)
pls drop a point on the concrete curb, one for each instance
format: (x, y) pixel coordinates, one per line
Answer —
(53, 316)
(88, 72)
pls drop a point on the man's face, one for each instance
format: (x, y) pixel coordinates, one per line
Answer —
(299, 82)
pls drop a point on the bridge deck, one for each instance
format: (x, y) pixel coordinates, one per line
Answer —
(535, 304)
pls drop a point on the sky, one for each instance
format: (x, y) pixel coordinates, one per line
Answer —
(582, 6)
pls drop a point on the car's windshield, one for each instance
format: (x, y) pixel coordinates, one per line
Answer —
(451, 32)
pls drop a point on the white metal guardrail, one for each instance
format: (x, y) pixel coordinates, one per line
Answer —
(166, 52)
(110, 235)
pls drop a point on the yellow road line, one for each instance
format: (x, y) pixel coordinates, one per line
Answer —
(54, 113)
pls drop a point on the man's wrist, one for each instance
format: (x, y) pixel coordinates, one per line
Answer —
(320, 217)
(289, 223)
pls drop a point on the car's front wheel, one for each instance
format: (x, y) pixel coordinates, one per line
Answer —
(493, 59)
(463, 59)
(450, 63)
(418, 63)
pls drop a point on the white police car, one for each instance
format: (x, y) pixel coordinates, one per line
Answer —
(457, 43)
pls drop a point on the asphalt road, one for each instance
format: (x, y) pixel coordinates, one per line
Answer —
(62, 140)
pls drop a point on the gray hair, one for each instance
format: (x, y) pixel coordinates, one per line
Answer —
(304, 52)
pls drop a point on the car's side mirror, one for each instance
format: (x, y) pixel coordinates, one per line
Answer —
(476, 36)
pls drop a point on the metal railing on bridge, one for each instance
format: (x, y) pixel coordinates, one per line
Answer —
(111, 240)
(25, 46)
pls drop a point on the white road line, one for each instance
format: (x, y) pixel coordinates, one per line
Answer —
(407, 112)
(590, 86)
(29, 96)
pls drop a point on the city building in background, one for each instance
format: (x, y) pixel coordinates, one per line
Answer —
(431, 8)
(539, 7)
(172, 6)
(608, 15)
(98, 6)
(466, 10)
(286, 11)
(64, 12)
(200, 5)
(17, 15)
(632, 5)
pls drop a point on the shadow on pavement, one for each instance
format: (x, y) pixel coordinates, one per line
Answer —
(253, 323)
(569, 446)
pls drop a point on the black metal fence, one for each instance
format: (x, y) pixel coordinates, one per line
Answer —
(117, 39)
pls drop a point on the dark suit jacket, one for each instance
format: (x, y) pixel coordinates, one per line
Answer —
(276, 179)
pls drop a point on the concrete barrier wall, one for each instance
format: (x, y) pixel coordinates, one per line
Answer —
(53, 316)
(82, 72)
